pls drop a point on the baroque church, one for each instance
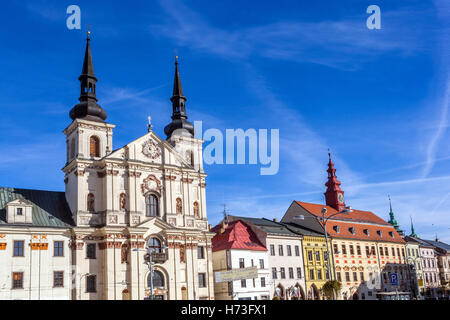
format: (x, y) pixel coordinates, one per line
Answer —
(120, 209)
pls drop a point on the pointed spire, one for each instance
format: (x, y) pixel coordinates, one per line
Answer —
(334, 196)
(88, 66)
(179, 117)
(88, 108)
(413, 233)
(392, 217)
(177, 87)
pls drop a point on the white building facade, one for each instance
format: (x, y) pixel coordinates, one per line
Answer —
(236, 247)
(118, 206)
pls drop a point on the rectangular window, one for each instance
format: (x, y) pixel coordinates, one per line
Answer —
(325, 256)
(344, 249)
(299, 273)
(282, 273)
(243, 283)
(18, 248)
(347, 276)
(289, 252)
(393, 252)
(261, 263)
(398, 252)
(19, 211)
(382, 252)
(58, 248)
(58, 279)
(297, 251)
(386, 252)
(241, 263)
(327, 275)
(272, 250)
(355, 276)
(338, 275)
(311, 274)
(201, 252)
(317, 256)
(202, 280)
(310, 256)
(274, 273)
(91, 283)
(263, 282)
(319, 274)
(358, 250)
(291, 273)
(335, 248)
(352, 251)
(373, 250)
(361, 275)
(17, 280)
(367, 251)
(280, 250)
(90, 251)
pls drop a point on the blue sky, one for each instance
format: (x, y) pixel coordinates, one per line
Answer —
(378, 99)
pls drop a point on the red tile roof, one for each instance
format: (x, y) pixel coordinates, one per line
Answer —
(366, 224)
(355, 215)
(237, 235)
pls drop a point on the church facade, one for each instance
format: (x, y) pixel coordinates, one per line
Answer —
(123, 208)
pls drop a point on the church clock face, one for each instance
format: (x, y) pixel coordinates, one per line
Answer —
(341, 198)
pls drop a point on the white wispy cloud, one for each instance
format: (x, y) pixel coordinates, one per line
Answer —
(330, 43)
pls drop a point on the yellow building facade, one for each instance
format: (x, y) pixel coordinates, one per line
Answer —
(316, 268)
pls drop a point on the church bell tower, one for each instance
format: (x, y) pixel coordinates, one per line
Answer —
(89, 139)
(334, 196)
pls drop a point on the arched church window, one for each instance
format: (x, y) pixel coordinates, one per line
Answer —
(158, 279)
(91, 202)
(154, 244)
(196, 210)
(94, 146)
(179, 206)
(152, 206)
(72, 149)
(123, 201)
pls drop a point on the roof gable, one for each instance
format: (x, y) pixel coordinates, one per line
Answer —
(237, 235)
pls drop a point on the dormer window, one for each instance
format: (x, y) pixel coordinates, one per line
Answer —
(391, 234)
(351, 230)
(367, 232)
(19, 211)
(336, 229)
(380, 233)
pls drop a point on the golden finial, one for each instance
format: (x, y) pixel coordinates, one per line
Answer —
(176, 55)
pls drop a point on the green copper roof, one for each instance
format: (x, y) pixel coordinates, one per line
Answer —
(50, 208)
(391, 216)
(413, 233)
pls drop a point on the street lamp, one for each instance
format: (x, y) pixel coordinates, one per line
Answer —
(324, 221)
(150, 265)
(81, 277)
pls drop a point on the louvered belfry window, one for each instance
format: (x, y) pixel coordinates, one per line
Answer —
(94, 146)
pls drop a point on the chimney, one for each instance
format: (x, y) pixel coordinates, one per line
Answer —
(275, 220)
